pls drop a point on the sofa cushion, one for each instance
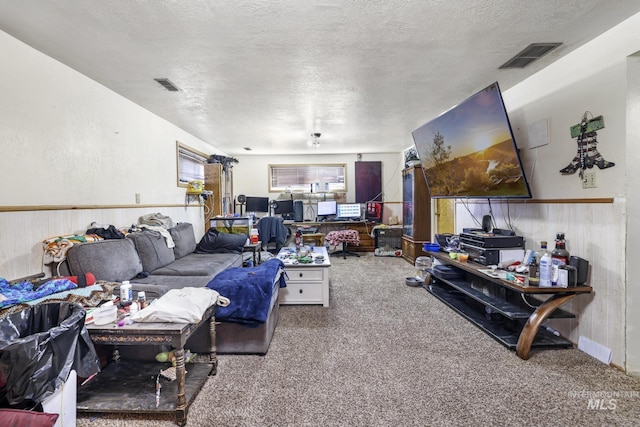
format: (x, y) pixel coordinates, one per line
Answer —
(200, 265)
(113, 260)
(215, 242)
(184, 239)
(152, 249)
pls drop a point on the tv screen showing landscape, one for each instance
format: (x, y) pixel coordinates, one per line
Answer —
(469, 151)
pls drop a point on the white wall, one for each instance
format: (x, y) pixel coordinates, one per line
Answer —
(633, 213)
(66, 140)
(251, 175)
(593, 78)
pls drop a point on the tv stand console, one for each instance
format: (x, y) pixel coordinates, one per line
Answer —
(501, 308)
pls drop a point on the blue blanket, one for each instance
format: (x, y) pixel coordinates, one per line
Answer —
(249, 289)
(24, 292)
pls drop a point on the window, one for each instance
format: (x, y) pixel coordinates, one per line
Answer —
(300, 178)
(190, 164)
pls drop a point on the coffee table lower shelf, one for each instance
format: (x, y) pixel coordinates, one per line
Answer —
(130, 387)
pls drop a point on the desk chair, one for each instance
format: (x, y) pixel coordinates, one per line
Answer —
(344, 237)
(271, 229)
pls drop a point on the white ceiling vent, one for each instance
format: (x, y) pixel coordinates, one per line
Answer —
(167, 84)
(530, 54)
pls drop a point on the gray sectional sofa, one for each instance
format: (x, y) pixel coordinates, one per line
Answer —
(145, 259)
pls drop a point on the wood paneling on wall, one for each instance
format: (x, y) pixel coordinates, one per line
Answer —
(595, 232)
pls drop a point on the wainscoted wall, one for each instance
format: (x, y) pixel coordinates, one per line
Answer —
(22, 232)
(594, 231)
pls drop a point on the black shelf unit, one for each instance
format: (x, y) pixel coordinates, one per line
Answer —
(501, 314)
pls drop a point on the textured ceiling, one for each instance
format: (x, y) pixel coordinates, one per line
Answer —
(267, 74)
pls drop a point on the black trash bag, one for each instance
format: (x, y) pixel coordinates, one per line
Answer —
(39, 347)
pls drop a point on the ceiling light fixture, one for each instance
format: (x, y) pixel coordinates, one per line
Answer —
(316, 139)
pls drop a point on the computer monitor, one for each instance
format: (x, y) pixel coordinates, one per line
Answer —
(283, 207)
(373, 211)
(257, 204)
(349, 210)
(327, 208)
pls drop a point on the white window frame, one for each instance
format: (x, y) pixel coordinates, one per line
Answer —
(300, 177)
(189, 164)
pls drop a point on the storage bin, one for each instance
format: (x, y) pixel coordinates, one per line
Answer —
(39, 347)
(388, 239)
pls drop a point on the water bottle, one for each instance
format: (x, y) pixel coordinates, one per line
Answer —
(546, 267)
(422, 264)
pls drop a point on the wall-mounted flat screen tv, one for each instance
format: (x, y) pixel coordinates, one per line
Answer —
(469, 151)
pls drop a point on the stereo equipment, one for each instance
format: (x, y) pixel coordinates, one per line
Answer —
(298, 211)
(492, 256)
(497, 239)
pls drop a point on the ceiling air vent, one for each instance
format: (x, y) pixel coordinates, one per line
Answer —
(530, 54)
(166, 83)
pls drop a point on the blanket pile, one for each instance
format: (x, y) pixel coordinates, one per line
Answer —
(24, 291)
(249, 289)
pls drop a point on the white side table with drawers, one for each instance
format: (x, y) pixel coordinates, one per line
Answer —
(307, 283)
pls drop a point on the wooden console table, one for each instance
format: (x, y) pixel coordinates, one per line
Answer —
(496, 306)
(130, 386)
(363, 227)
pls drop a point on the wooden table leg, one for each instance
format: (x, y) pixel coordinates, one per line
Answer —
(536, 319)
(181, 404)
(213, 350)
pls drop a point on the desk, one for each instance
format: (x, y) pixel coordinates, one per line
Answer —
(316, 238)
(367, 243)
(130, 386)
(496, 307)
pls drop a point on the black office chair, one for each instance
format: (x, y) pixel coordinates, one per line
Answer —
(271, 229)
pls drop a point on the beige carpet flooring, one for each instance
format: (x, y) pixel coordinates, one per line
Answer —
(385, 354)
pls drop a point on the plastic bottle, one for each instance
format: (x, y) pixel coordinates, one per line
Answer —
(559, 256)
(546, 268)
(298, 240)
(534, 267)
(560, 253)
(142, 300)
(253, 236)
(126, 293)
(423, 265)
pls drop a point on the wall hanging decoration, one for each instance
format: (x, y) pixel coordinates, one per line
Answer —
(411, 157)
(588, 154)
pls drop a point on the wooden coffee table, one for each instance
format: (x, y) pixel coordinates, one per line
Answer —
(130, 386)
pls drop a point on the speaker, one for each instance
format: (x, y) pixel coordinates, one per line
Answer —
(486, 223)
(298, 211)
(582, 268)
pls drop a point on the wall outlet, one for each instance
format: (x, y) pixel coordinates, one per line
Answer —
(589, 180)
(137, 198)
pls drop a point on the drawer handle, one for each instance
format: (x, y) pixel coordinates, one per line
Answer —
(301, 274)
(300, 291)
